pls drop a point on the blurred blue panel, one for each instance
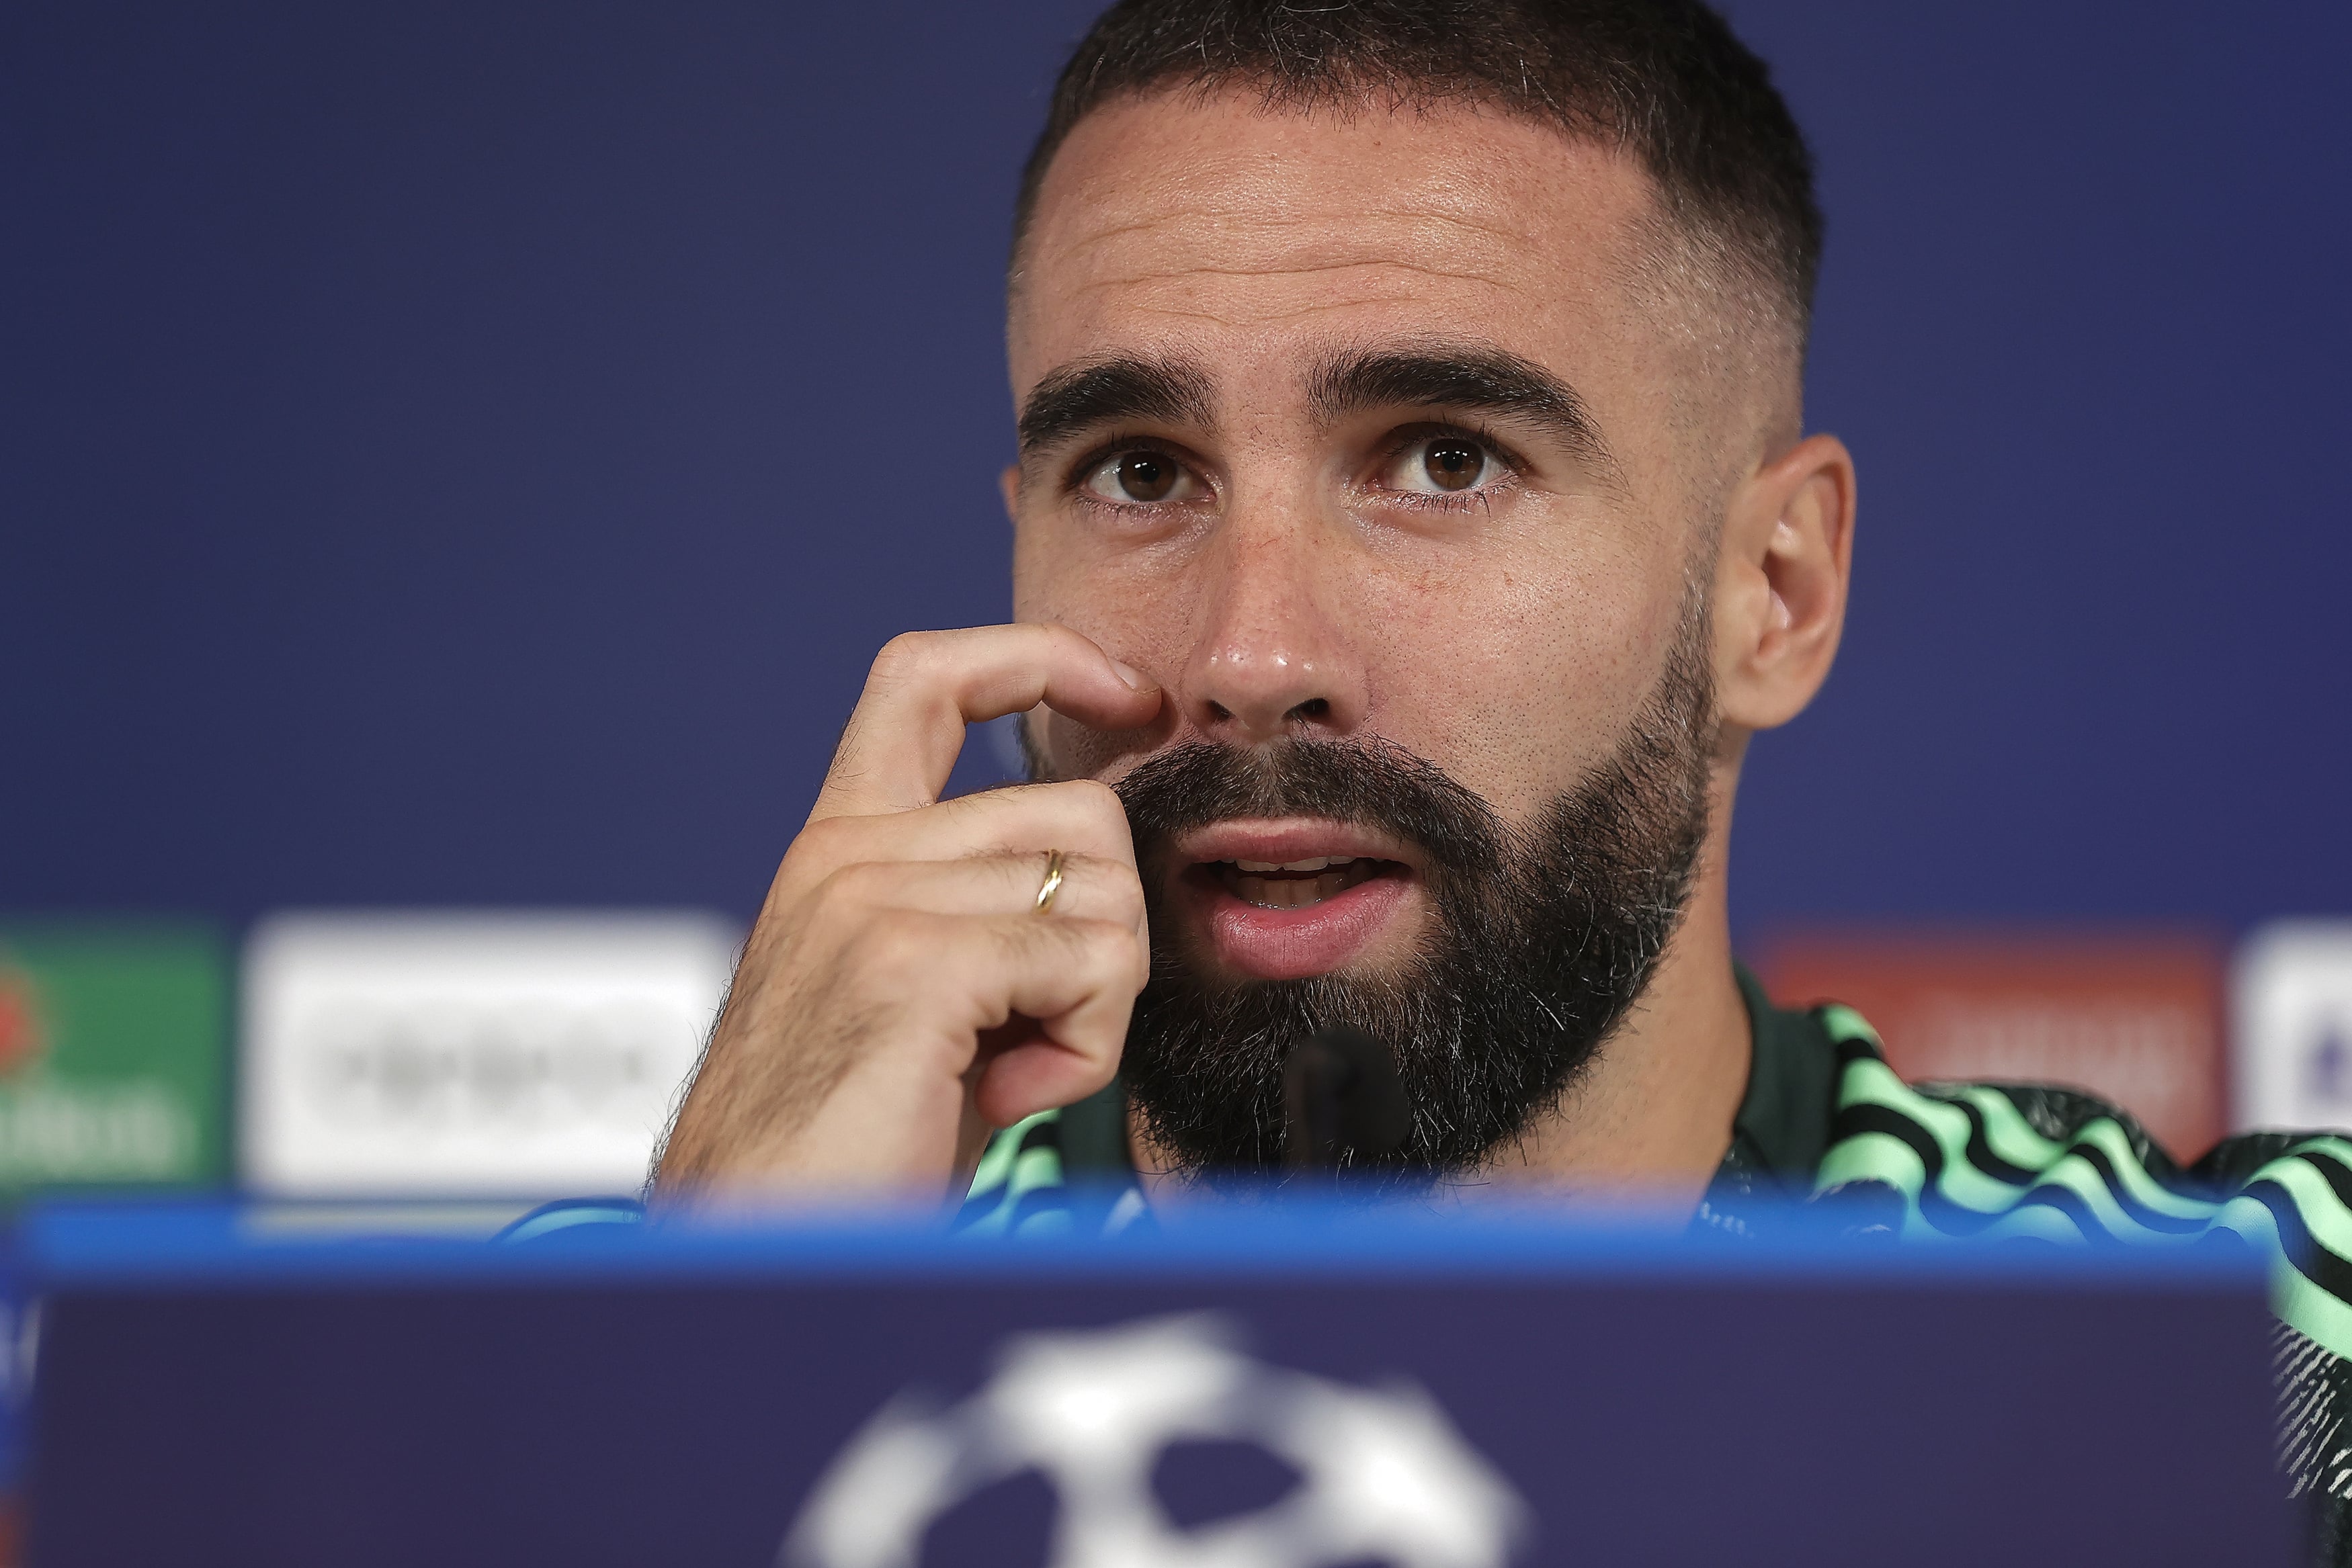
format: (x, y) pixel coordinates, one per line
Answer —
(468, 452)
(2083, 320)
(80, 1245)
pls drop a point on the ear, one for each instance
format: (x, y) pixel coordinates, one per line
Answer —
(1780, 582)
(1008, 485)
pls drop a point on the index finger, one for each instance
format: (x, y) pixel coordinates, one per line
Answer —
(903, 737)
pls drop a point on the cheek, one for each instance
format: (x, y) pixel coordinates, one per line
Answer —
(1034, 588)
(1519, 678)
(1136, 609)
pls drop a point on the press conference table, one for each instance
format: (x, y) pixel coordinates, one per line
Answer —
(1308, 1383)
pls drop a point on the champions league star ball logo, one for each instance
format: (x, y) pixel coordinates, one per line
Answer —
(1384, 1475)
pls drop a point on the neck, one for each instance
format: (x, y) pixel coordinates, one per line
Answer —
(1649, 1119)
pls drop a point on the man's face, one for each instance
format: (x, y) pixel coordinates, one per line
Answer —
(1348, 428)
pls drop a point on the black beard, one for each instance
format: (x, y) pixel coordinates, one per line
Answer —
(1540, 940)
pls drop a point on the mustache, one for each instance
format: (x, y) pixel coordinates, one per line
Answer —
(1364, 781)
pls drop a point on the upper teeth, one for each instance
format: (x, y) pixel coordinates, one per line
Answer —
(1319, 862)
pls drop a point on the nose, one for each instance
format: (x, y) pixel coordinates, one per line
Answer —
(1274, 654)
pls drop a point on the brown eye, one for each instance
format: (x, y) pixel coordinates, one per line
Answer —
(1142, 477)
(1452, 465)
(1146, 477)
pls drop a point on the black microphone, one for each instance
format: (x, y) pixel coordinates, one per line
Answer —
(1341, 1096)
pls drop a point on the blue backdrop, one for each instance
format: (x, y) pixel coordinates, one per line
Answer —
(468, 452)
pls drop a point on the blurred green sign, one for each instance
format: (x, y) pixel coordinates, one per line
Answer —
(114, 1056)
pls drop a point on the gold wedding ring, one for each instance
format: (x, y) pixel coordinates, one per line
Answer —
(1053, 884)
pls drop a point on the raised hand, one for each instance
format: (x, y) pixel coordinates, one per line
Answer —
(903, 993)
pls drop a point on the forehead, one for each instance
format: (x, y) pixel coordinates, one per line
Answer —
(1234, 231)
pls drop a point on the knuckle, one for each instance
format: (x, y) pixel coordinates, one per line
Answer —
(1118, 889)
(1010, 816)
(904, 646)
(1092, 806)
(1013, 942)
(1109, 945)
(1056, 641)
(857, 883)
(822, 844)
(904, 657)
(885, 945)
(1094, 795)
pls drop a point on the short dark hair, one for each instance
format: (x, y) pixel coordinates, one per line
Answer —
(1664, 80)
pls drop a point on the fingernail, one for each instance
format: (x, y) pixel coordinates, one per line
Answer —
(1136, 679)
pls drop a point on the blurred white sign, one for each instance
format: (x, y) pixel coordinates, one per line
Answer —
(469, 1052)
(2293, 997)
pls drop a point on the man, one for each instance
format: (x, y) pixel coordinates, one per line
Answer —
(1414, 520)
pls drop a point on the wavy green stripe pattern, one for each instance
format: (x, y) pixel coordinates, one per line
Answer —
(1009, 1172)
(1881, 1156)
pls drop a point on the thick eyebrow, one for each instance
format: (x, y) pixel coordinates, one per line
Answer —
(1475, 378)
(1079, 398)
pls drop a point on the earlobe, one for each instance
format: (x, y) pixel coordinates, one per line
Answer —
(1785, 559)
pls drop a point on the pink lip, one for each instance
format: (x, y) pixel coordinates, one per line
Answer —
(1291, 944)
(1291, 839)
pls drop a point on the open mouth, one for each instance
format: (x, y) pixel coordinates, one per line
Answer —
(1295, 885)
(1287, 898)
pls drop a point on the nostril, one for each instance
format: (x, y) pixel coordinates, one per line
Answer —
(1312, 708)
(1219, 711)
